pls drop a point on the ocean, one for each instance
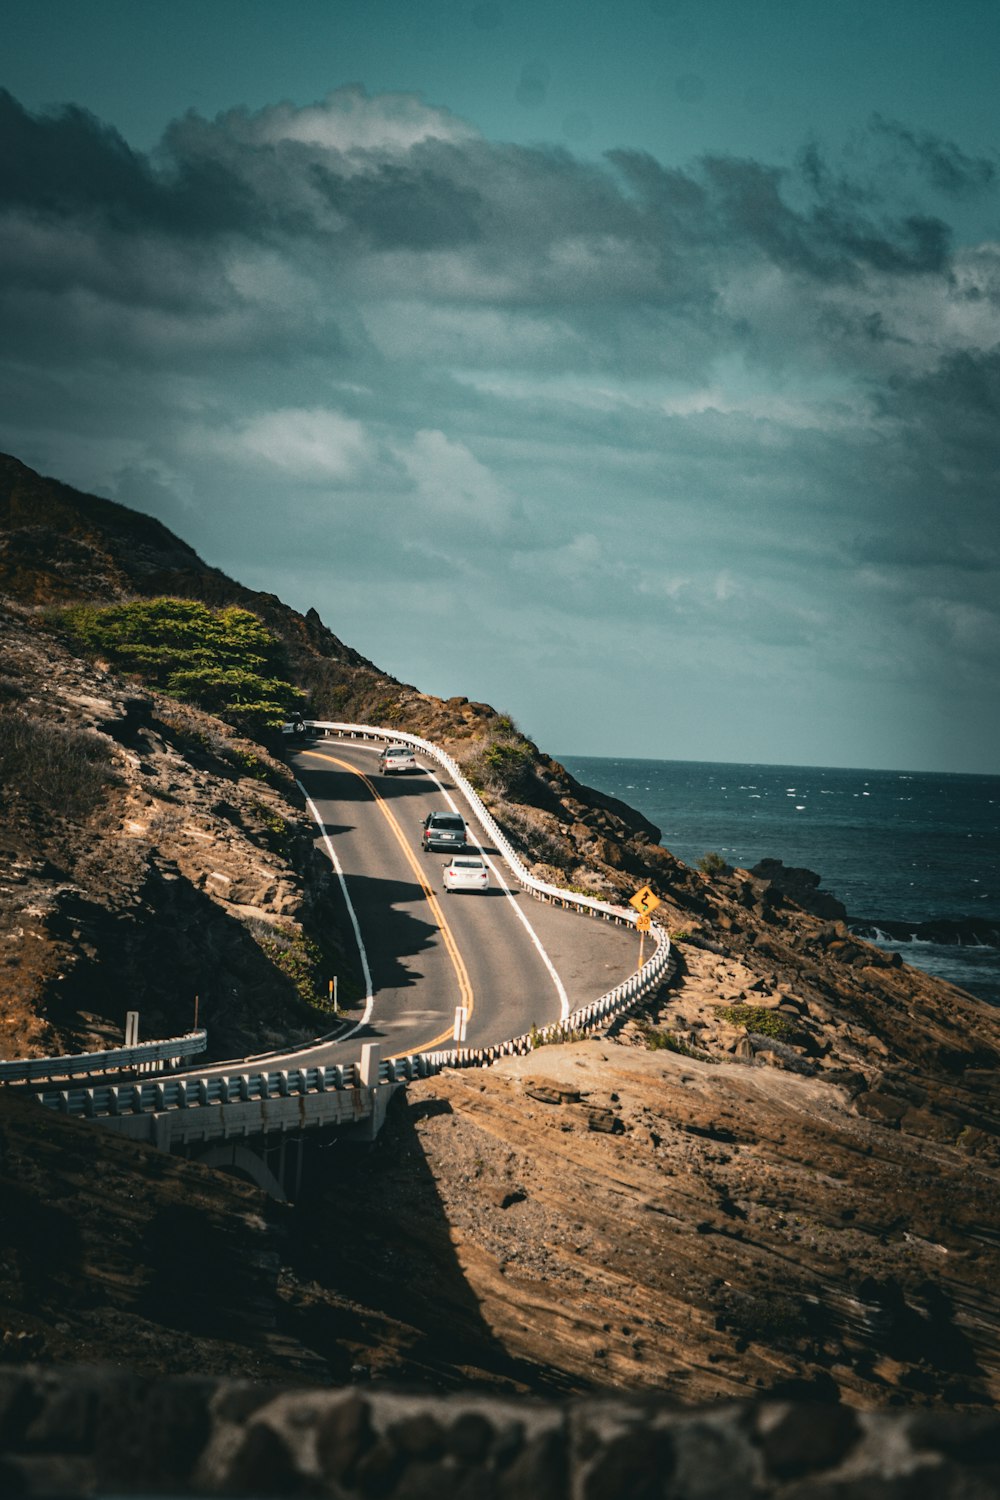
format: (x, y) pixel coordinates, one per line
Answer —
(914, 857)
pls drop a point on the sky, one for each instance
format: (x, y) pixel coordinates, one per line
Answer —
(631, 365)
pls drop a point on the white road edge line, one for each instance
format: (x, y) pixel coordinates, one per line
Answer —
(546, 960)
(370, 992)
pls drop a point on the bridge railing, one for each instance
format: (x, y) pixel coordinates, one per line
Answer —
(159, 1095)
(117, 1059)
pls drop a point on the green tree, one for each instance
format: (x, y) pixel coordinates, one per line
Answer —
(224, 660)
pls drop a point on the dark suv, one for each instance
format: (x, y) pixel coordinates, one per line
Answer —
(443, 830)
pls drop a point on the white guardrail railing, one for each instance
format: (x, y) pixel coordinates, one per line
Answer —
(614, 1002)
(157, 1096)
(172, 1052)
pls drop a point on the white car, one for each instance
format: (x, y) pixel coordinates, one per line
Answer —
(466, 872)
(397, 759)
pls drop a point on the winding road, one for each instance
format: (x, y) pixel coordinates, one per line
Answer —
(511, 962)
(506, 961)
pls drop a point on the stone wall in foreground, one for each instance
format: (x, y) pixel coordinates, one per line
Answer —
(106, 1432)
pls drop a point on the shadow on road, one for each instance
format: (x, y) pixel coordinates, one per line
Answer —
(330, 782)
(393, 933)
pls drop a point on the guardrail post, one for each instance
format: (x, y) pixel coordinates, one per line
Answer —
(369, 1064)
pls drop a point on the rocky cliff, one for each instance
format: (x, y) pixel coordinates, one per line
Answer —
(783, 1175)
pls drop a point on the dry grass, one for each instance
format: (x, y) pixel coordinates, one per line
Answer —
(59, 767)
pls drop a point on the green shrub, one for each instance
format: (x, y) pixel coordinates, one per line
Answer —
(308, 964)
(274, 824)
(501, 763)
(759, 1019)
(297, 957)
(246, 763)
(387, 711)
(224, 660)
(662, 1041)
(712, 863)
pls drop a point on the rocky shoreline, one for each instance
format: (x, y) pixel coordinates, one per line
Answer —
(971, 932)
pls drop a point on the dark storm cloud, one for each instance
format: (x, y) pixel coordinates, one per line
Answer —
(68, 163)
(239, 176)
(276, 229)
(419, 209)
(944, 165)
(941, 456)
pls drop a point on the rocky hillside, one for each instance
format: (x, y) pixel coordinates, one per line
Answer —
(784, 1171)
(150, 856)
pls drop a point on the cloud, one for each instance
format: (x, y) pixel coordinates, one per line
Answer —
(348, 120)
(453, 488)
(944, 165)
(739, 409)
(315, 445)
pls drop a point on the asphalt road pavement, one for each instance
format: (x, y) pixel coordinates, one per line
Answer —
(509, 960)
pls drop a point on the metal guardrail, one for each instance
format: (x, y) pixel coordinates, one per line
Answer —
(175, 1049)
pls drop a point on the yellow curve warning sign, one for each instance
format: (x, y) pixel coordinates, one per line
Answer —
(644, 901)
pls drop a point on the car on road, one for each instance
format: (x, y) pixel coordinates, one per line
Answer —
(443, 830)
(397, 760)
(466, 872)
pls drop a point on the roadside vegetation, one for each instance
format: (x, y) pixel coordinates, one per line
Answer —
(308, 963)
(225, 661)
(657, 1040)
(758, 1020)
(503, 761)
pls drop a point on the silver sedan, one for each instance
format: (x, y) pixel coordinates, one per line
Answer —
(466, 872)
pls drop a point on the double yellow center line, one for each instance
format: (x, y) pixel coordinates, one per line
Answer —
(457, 961)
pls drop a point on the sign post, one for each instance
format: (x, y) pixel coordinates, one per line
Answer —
(645, 902)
